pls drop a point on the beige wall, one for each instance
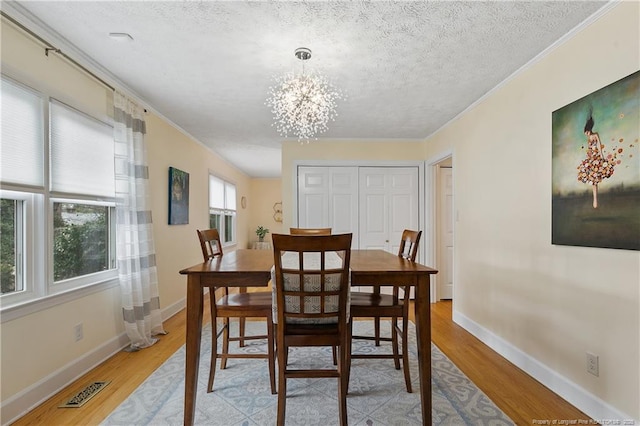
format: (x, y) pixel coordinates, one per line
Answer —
(37, 345)
(177, 245)
(553, 303)
(264, 193)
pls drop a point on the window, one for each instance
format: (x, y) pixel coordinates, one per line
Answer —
(19, 254)
(57, 200)
(222, 208)
(82, 196)
(82, 239)
(10, 246)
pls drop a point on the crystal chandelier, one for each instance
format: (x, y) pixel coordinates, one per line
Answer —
(303, 104)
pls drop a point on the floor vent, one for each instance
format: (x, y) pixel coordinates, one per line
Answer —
(84, 395)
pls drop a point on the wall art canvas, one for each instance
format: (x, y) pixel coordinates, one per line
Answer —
(596, 168)
(178, 197)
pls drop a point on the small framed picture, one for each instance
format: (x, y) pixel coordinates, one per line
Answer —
(178, 197)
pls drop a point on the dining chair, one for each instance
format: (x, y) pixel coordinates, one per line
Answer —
(376, 305)
(236, 305)
(310, 231)
(311, 279)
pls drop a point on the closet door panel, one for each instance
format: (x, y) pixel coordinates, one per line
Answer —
(343, 201)
(374, 221)
(388, 205)
(328, 198)
(313, 197)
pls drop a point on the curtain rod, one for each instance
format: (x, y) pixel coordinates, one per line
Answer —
(49, 48)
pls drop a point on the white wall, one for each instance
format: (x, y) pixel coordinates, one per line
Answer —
(541, 305)
(38, 352)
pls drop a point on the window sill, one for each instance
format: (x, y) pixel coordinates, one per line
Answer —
(12, 312)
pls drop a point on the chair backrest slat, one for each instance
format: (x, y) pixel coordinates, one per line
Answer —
(311, 278)
(409, 244)
(310, 231)
(210, 243)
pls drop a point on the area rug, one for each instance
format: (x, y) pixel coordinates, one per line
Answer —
(241, 396)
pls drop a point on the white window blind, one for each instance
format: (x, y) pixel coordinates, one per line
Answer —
(216, 193)
(22, 143)
(230, 196)
(82, 153)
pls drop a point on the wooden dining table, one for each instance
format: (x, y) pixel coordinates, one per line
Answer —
(251, 268)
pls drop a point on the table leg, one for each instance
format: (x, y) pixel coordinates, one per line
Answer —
(423, 331)
(194, 336)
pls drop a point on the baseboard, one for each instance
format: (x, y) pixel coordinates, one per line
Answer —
(171, 310)
(20, 404)
(585, 401)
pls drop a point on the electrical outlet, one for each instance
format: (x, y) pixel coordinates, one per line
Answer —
(78, 332)
(592, 364)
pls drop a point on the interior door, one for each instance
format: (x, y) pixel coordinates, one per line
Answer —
(343, 201)
(404, 209)
(313, 197)
(374, 203)
(328, 198)
(388, 205)
(374, 208)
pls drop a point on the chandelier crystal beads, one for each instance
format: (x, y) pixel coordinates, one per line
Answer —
(303, 104)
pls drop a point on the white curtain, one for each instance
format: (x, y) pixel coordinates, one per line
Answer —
(136, 252)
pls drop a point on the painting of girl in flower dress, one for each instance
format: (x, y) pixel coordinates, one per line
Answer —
(595, 198)
(596, 167)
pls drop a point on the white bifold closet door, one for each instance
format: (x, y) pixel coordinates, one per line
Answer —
(374, 203)
(388, 202)
(328, 198)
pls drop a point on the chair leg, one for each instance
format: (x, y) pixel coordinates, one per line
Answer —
(214, 339)
(271, 353)
(225, 344)
(282, 385)
(242, 324)
(394, 342)
(348, 349)
(241, 332)
(334, 352)
(214, 354)
(376, 321)
(343, 380)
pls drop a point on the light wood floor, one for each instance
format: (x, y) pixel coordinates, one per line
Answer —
(522, 398)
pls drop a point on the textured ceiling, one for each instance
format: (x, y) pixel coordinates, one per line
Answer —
(407, 67)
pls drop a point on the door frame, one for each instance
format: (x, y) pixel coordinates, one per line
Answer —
(432, 205)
